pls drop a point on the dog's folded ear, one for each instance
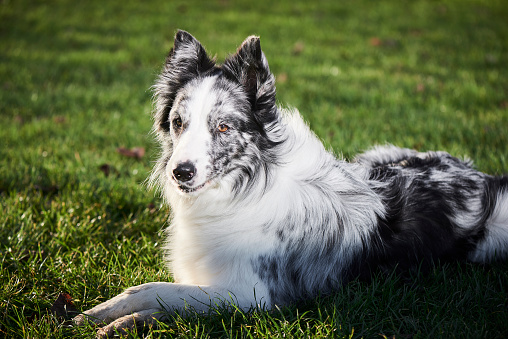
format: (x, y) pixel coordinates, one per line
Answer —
(249, 67)
(186, 61)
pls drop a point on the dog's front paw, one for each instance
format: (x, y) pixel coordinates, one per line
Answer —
(129, 322)
(84, 318)
(120, 325)
(95, 316)
(136, 306)
(79, 320)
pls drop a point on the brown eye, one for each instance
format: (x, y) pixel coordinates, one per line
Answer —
(223, 128)
(177, 122)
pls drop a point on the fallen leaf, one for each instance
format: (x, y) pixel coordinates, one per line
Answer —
(282, 77)
(375, 41)
(136, 152)
(59, 119)
(298, 47)
(107, 169)
(63, 306)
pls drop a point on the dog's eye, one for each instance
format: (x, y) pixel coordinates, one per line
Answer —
(223, 128)
(177, 122)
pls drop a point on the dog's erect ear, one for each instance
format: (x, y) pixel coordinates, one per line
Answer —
(250, 68)
(247, 63)
(184, 38)
(187, 52)
(186, 60)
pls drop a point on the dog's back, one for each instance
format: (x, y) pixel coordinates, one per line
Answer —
(438, 208)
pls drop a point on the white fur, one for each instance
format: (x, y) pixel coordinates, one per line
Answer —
(190, 147)
(495, 244)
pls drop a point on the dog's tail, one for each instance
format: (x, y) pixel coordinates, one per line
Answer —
(494, 245)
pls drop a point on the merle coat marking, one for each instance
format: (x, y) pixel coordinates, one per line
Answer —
(263, 215)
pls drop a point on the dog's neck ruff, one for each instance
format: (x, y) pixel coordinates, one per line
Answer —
(285, 199)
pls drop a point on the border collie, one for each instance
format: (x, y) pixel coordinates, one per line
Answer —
(263, 215)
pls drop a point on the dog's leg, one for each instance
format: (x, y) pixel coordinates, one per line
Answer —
(144, 304)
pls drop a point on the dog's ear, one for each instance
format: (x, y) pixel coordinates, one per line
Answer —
(186, 61)
(249, 67)
(188, 56)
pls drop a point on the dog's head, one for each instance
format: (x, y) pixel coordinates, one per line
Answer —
(213, 120)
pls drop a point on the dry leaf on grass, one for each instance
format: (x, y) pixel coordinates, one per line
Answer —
(108, 169)
(63, 306)
(136, 152)
(298, 48)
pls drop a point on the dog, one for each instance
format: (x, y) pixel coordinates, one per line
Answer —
(262, 215)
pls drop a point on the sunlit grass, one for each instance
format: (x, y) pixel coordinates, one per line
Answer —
(75, 83)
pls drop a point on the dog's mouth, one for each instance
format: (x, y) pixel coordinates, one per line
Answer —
(191, 189)
(187, 189)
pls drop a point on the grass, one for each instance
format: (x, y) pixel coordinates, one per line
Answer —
(74, 86)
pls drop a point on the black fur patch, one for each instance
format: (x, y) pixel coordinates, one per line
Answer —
(422, 197)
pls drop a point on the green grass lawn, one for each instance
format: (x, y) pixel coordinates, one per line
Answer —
(76, 216)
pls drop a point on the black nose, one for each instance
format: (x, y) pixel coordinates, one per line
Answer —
(184, 171)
